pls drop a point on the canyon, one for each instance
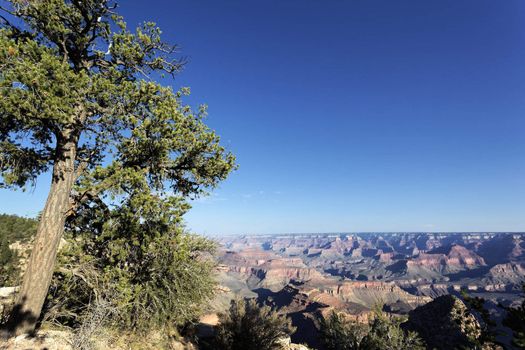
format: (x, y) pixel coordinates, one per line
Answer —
(306, 276)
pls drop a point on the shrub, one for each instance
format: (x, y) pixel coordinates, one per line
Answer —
(12, 229)
(386, 334)
(248, 326)
(8, 262)
(337, 333)
(381, 333)
(140, 260)
(16, 228)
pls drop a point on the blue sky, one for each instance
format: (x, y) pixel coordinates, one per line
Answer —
(352, 115)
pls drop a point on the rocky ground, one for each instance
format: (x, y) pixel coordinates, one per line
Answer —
(62, 340)
(44, 340)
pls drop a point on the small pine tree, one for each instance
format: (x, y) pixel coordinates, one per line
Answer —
(248, 326)
(386, 334)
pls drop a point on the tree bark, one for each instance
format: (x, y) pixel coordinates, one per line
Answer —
(39, 272)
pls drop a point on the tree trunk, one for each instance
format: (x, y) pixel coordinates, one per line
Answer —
(37, 276)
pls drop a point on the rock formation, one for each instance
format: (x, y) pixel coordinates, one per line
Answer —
(445, 323)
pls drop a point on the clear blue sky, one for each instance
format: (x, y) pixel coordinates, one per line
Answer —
(352, 115)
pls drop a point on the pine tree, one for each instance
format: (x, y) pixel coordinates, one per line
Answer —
(77, 99)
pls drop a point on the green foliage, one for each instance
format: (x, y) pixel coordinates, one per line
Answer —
(385, 334)
(8, 262)
(15, 228)
(74, 72)
(249, 326)
(12, 229)
(337, 333)
(515, 320)
(382, 333)
(76, 84)
(138, 258)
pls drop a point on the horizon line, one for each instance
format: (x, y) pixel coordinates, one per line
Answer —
(370, 232)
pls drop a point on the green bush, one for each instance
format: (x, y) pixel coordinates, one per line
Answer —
(381, 333)
(13, 228)
(337, 333)
(249, 326)
(137, 258)
(8, 263)
(386, 334)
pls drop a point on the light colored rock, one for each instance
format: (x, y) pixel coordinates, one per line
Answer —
(297, 347)
(48, 340)
(287, 344)
(6, 292)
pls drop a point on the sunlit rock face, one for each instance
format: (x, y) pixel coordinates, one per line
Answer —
(371, 292)
(410, 260)
(263, 269)
(505, 277)
(451, 259)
